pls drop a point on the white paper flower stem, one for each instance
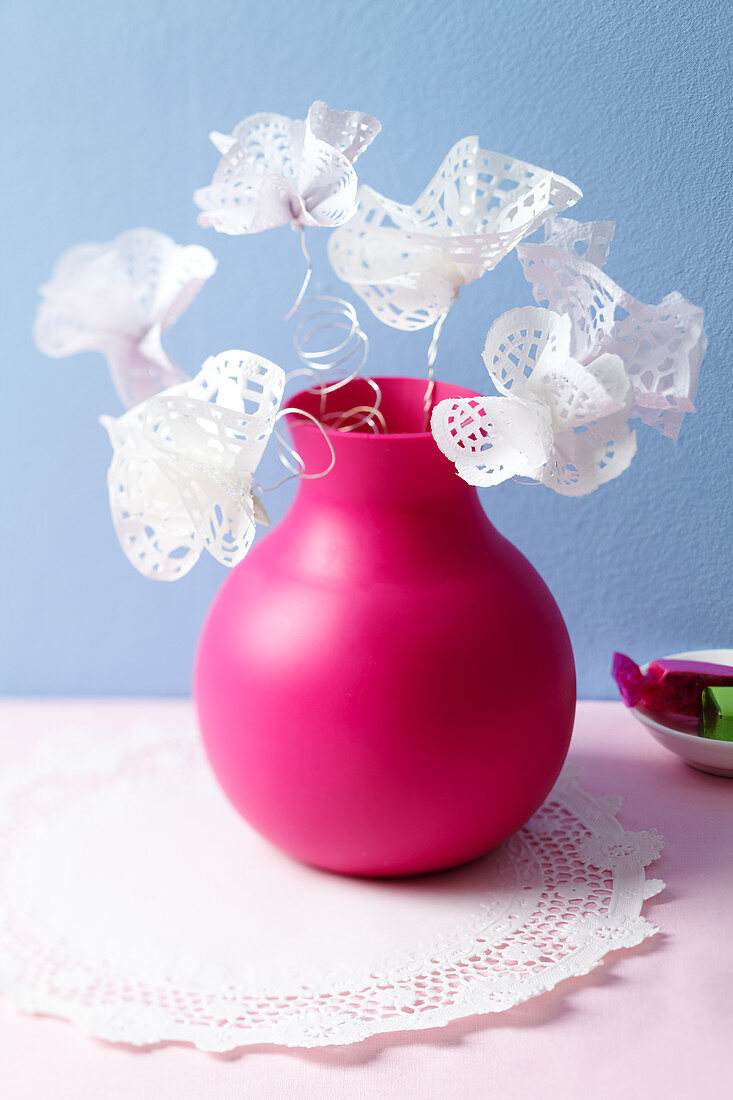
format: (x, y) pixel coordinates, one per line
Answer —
(304, 285)
(347, 349)
(290, 458)
(432, 355)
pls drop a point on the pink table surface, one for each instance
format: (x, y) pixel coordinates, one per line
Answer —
(654, 1021)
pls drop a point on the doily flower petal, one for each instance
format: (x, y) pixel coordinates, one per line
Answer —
(249, 390)
(243, 200)
(590, 241)
(407, 288)
(586, 457)
(491, 439)
(277, 170)
(662, 346)
(349, 132)
(474, 211)
(119, 298)
(577, 395)
(327, 182)
(182, 472)
(558, 421)
(222, 510)
(517, 342)
(151, 521)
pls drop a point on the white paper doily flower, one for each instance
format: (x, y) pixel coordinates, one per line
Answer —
(662, 346)
(136, 903)
(590, 241)
(277, 170)
(183, 465)
(409, 262)
(558, 421)
(119, 298)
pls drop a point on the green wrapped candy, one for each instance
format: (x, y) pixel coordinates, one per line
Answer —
(716, 721)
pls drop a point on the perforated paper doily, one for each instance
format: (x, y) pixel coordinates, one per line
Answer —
(136, 903)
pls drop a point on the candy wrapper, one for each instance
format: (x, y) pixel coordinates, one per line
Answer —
(670, 689)
(716, 720)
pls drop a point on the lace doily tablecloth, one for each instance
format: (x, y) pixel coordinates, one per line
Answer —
(136, 903)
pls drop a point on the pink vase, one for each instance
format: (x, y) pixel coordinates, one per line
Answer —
(385, 685)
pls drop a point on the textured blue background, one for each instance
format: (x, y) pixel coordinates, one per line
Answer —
(106, 111)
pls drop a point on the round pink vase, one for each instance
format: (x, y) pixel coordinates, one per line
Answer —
(385, 685)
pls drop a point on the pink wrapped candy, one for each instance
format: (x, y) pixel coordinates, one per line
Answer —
(669, 689)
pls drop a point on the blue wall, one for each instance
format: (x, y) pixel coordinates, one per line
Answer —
(107, 107)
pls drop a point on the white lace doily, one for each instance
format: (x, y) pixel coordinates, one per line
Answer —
(136, 903)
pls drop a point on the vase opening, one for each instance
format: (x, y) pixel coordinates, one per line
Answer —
(402, 405)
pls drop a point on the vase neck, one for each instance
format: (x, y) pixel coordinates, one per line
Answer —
(391, 507)
(408, 472)
(403, 466)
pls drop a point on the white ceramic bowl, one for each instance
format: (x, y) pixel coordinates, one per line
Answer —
(715, 757)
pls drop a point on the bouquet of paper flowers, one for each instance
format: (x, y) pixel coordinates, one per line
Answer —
(569, 375)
